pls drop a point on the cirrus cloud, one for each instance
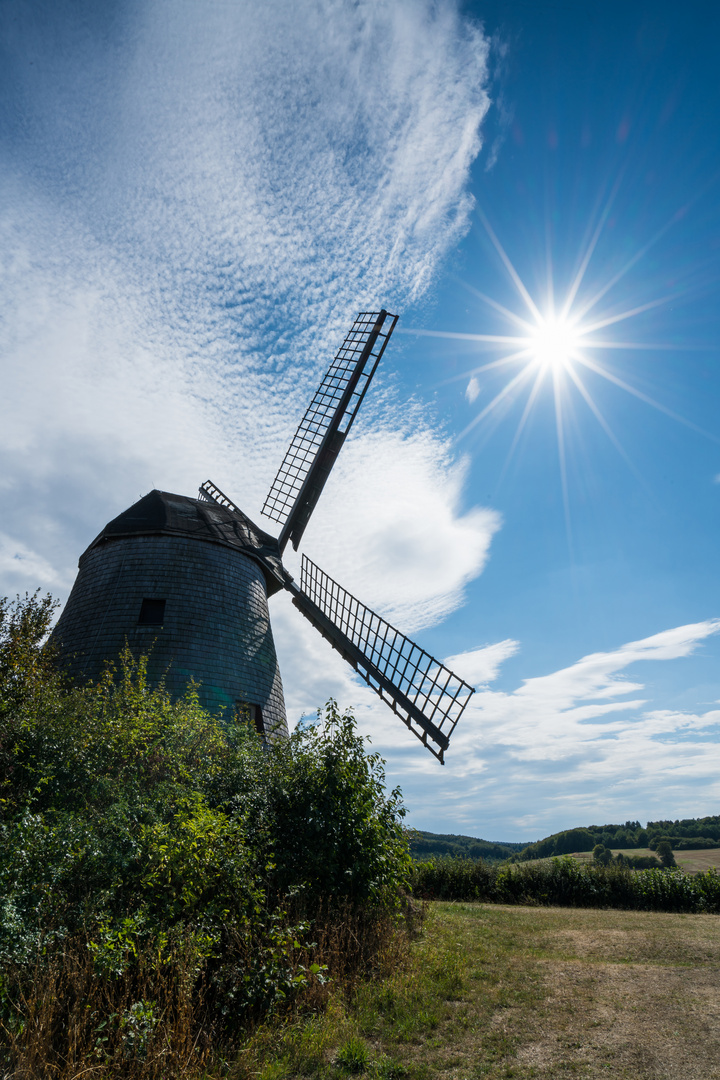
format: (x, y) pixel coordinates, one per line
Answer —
(196, 201)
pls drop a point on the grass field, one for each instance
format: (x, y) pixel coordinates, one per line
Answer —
(502, 992)
(689, 861)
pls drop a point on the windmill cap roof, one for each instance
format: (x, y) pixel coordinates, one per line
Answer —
(160, 513)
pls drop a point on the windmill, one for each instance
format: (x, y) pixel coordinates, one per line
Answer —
(188, 580)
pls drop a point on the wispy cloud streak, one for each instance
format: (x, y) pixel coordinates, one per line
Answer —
(196, 201)
(582, 744)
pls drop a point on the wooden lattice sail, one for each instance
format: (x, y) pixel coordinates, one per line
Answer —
(190, 579)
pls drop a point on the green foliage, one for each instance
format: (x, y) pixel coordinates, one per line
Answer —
(665, 853)
(640, 862)
(448, 878)
(601, 855)
(167, 859)
(25, 670)
(686, 835)
(566, 882)
(696, 829)
(326, 818)
(353, 1056)
(426, 845)
(574, 840)
(562, 843)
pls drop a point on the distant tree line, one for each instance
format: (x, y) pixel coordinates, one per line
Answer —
(682, 835)
(688, 834)
(426, 845)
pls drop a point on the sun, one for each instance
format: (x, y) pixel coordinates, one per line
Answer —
(554, 343)
(558, 345)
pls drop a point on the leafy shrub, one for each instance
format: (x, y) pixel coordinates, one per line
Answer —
(707, 886)
(451, 878)
(601, 855)
(165, 879)
(642, 862)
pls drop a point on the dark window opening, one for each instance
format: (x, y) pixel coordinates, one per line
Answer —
(252, 715)
(255, 716)
(152, 613)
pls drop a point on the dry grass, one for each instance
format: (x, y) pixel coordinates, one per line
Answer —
(177, 1020)
(500, 992)
(690, 861)
(486, 991)
(67, 1023)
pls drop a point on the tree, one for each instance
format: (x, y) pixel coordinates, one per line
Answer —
(665, 853)
(573, 840)
(601, 855)
(25, 667)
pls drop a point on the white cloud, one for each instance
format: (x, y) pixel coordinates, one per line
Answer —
(390, 528)
(481, 666)
(25, 570)
(203, 199)
(472, 390)
(561, 749)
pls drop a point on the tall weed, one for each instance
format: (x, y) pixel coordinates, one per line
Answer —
(166, 882)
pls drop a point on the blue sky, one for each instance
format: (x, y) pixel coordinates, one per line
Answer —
(195, 199)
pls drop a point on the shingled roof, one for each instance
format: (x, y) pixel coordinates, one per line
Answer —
(160, 513)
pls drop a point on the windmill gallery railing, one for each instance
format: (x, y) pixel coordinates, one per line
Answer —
(426, 695)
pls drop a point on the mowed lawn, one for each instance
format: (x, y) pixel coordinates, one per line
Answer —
(495, 991)
(547, 992)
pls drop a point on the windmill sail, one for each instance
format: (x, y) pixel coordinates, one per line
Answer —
(322, 431)
(425, 694)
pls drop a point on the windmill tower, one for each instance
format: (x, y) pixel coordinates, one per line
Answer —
(188, 581)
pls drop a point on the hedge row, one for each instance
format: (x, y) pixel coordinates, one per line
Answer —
(565, 882)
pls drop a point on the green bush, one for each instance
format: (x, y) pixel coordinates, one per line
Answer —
(451, 878)
(165, 878)
(601, 855)
(642, 862)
